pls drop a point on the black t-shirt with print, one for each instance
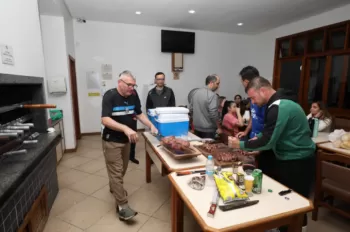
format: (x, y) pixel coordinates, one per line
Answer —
(122, 110)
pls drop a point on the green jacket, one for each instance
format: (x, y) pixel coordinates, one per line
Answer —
(286, 131)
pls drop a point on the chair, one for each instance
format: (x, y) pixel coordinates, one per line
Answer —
(332, 181)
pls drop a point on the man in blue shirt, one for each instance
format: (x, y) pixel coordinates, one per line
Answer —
(266, 159)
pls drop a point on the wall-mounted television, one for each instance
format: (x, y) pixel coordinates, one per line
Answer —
(178, 41)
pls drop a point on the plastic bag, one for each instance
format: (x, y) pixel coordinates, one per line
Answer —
(336, 135)
(228, 189)
(56, 114)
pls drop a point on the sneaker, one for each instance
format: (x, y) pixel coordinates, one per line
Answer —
(135, 161)
(126, 214)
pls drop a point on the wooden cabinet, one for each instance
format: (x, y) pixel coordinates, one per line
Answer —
(61, 146)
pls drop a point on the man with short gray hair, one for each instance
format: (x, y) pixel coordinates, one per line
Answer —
(120, 107)
(204, 108)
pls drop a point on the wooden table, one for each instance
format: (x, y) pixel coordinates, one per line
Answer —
(271, 212)
(330, 148)
(321, 138)
(164, 162)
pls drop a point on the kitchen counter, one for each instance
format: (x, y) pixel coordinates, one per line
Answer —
(14, 169)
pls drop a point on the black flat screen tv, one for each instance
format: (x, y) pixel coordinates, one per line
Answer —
(178, 41)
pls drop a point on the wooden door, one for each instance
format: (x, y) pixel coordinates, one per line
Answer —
(74, 94)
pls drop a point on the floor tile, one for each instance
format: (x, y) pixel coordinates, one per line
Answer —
(111, 223)
(105, 195)
(135, 177)
(86, 213)
(91, 144)
(161, 185)
(68, 156)
(70, 177)
(89, 185)
(74, 161)
(92, 153)
(102, 172)
(164, 212)
(62, 169)
(65, 199)
(91, 166)
(154, 224)
(57, 225)
(146, 202)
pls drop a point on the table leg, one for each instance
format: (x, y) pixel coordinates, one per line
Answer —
(177, 211)
(148, 168)
(296, 224)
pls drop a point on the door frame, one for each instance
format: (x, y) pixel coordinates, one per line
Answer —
(74, 95)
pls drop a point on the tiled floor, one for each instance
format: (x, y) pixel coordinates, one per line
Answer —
(85, 204)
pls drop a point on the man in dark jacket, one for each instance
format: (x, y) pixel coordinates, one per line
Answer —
(161, 95)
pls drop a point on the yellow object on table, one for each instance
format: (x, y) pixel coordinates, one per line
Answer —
(228, 189)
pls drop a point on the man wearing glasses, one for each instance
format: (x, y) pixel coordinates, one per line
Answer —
(161, 95)
(120, 107)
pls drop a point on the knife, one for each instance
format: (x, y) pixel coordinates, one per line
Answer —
(184, 173)
(237, 205)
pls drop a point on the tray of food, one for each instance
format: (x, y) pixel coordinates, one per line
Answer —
(227, 157)
(179, 148)
(209, 147)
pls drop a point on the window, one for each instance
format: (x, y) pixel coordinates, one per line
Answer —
(335, 81)
(298, 46)
(346, 103)
(324, 54)
(316, 78)
(290, 71)
(316, 42)
(337, 39)
(284, 48)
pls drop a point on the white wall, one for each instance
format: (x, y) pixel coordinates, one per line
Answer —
(20, 28)
(56, 66)
(264, 43)
(137, 48)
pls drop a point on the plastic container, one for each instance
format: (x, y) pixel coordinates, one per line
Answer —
(152, 118)
(179, 117)
(209, 171)
(152, 112)
(172, 127)
(315, 129)
(172, 110)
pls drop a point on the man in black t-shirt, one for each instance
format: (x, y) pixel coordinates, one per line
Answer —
(119, 109)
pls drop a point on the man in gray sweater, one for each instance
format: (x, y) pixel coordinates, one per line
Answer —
(204, 108)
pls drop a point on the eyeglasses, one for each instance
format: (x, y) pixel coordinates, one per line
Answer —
(129, 85)
(160, 79)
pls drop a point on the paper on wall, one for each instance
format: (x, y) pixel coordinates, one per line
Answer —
(107, 72)
(93, 84)
(93, 80)
(7, 55)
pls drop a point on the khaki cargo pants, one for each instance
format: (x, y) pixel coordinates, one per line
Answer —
(117, 160)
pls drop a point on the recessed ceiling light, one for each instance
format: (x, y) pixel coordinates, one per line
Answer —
(239, 24)
(191, 11)
(138, 12)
